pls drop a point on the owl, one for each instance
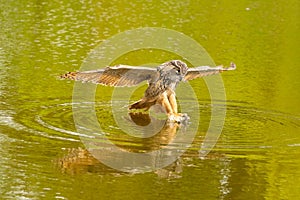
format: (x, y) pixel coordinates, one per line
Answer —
(162, 82)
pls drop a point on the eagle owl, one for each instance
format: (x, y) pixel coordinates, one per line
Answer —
(162, 82)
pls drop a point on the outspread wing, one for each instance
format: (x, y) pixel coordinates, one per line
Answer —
(198, 72)
(120, 75)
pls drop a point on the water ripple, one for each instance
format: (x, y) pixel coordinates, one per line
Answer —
(55, 121)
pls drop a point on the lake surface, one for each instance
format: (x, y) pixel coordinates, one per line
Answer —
(46, 154)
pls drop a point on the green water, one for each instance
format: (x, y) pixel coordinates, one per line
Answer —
(255, 157)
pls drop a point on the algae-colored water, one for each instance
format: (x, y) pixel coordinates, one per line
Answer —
(256, 156)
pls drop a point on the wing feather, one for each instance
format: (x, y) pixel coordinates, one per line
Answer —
(201, 71)
(121, 75)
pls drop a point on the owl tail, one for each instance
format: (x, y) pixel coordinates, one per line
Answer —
(142, 104)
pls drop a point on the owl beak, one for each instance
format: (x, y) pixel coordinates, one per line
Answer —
(181, 78)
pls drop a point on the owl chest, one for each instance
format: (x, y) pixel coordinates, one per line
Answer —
(157, 88)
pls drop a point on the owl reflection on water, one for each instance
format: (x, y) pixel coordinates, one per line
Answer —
(162, 82)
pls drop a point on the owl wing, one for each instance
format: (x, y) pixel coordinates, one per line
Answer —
(201, 71)
(120, 75)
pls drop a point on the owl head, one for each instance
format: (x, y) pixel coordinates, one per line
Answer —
(174, 70)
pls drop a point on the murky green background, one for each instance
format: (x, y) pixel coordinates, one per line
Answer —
(256, 157)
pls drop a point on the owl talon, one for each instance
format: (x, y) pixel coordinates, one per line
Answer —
(179, 118)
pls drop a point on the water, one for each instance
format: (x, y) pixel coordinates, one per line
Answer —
(255, 157)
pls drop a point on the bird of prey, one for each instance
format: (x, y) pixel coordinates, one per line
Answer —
(162, 82)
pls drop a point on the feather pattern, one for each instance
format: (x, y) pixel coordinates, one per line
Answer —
(121, 75)
(201, 71)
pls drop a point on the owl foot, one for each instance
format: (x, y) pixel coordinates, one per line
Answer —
(179, 118)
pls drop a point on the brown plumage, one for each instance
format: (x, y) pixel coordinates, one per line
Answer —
(162, 81)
